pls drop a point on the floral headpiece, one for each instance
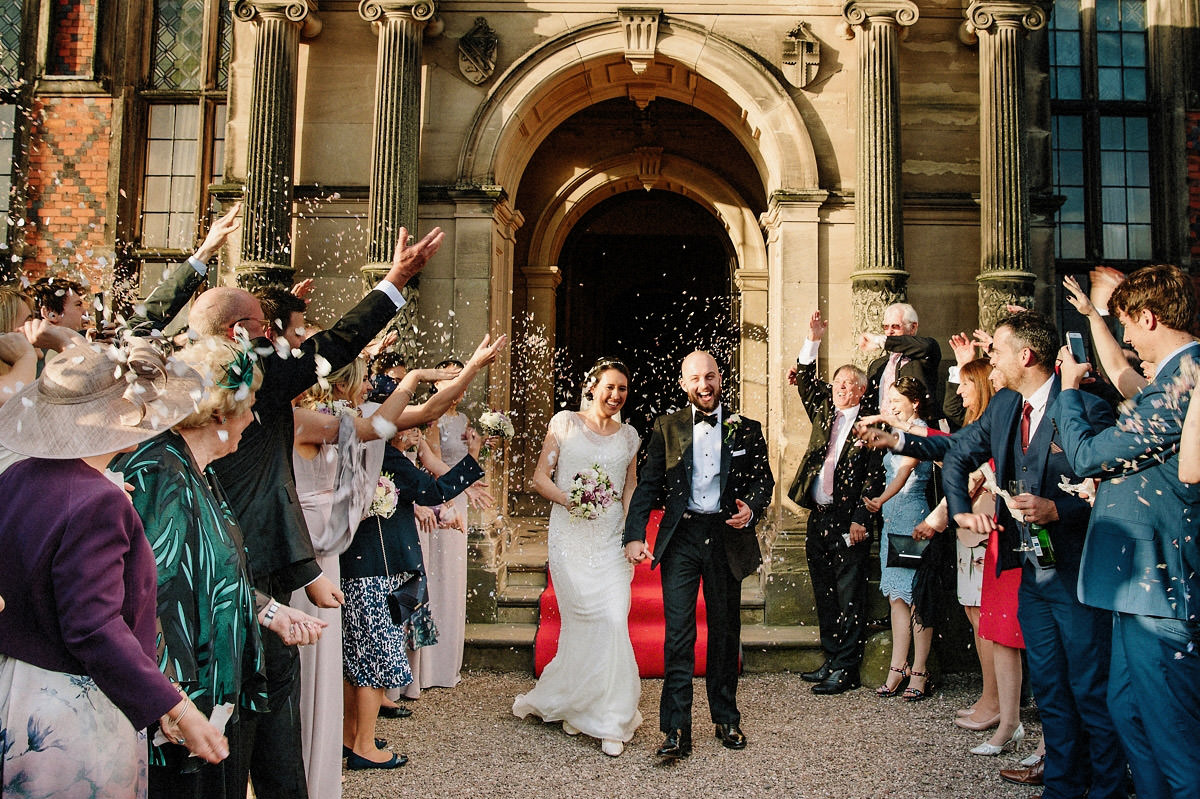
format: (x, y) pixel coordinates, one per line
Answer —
(239, 372)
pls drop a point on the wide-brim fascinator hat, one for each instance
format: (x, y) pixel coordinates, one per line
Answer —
(95, 399)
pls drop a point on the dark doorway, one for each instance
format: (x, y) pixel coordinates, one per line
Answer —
(647, 278)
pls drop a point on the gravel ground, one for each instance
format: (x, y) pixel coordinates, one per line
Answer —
(466, 743)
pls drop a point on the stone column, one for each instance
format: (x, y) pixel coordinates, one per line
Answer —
(266, 254)
(396, 148)
(1004, 221)
(879, 278)
(534, 349)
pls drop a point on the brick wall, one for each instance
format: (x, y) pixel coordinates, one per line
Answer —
(73, 37)
(67, 186)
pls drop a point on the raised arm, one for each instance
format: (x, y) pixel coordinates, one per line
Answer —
(1108, 350)
(440, 402)
(1189, 444)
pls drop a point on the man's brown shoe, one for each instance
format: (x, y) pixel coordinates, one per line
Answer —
(1024, 776)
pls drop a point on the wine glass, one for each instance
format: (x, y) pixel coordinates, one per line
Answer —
(1017, 487)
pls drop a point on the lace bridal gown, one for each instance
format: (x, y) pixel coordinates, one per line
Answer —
(592, 683)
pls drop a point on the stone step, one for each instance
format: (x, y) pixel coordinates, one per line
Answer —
(765, 648)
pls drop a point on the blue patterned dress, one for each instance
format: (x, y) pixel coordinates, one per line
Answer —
(901, 514)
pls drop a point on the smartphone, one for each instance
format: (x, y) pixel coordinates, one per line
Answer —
(1077, 347)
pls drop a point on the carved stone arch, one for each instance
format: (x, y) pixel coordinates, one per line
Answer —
(617, 175)
(586, 65)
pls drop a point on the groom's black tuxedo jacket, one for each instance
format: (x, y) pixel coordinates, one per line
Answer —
(666, 481)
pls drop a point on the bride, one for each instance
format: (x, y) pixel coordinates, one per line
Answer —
(592, 684)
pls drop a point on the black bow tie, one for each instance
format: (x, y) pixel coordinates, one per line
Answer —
(705, 418)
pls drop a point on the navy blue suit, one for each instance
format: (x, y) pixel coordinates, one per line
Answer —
(1067, 643)
(1142, 562)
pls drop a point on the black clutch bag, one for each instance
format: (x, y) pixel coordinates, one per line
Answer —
(403, 600)
(905, 551)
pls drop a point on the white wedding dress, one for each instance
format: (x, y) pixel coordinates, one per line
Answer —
(592, 683)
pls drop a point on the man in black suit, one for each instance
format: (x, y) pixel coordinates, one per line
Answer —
(261, 488)
(905, 354)
(709, 467)
(834, 478)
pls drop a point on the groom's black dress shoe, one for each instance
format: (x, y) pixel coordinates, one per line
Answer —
(838, 682)
(731, 736)
(819, 675)
(678, 743)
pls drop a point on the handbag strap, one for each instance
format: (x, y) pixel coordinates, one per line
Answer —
(382, 548)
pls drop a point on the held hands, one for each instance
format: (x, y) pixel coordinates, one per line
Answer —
(1071, 371)
(324, 594)
(637, 551)
(409, 259)
(220, 230)
(185, 725)
(296, 628)
(426, 518)
(743, 516)
(1035, 510)
(858, 533)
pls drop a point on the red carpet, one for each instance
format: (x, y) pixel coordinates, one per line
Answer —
(647, 629)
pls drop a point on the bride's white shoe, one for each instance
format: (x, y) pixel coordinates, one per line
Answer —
(612, 748)
(569, 729)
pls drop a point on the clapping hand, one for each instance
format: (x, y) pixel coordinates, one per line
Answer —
(296, 628)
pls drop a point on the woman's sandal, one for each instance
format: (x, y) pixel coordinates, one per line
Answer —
(883, 692)
(917, 694)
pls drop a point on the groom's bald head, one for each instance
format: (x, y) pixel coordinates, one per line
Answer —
(701, 379)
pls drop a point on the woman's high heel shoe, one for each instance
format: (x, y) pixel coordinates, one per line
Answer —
(611, 747)
(977, 726)
(569, 728)
(991, 750)
(883, 692)
(917, 694)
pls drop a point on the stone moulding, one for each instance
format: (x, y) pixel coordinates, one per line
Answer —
(477, 52)
(641, 36)
(801, 56)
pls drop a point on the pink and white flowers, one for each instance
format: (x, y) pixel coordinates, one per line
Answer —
(385, 500)
(591, 493)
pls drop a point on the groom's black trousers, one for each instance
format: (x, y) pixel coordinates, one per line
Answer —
(696, 551)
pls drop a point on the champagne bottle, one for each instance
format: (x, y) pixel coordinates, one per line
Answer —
(1042, 548)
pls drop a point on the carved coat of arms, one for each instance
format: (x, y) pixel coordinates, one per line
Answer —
(477, 52)
(801, 56)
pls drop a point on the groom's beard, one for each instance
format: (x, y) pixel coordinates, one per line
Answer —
(709, 404)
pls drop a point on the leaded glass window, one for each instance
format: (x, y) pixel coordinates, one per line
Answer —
(1101, 132)
(185, 127)
(10, 44)
(7, 132)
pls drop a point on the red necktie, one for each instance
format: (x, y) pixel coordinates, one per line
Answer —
(1026, 412)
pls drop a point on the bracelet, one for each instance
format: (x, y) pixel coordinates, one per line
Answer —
(186, 707)
(272, 609)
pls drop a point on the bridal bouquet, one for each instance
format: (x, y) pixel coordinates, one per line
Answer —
(494, 424)
(591, 493)
(385, 500)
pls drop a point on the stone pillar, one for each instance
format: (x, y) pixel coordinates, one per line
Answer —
(266, 254)
(395, 151)
(1004, 220)
(536, 356)
(879, 278)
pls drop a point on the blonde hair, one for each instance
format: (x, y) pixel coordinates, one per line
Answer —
(11, 300)
(338, 385)
(227, 391)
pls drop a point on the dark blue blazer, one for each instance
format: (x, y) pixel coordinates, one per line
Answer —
(1141, 555)
(995, 435)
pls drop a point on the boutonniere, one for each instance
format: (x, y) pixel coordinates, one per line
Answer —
(731, 426)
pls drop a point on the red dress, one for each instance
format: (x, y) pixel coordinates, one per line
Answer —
(998, 601)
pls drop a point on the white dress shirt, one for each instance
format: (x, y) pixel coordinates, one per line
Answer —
(706, 465)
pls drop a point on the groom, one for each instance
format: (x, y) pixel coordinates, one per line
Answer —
(709, 468)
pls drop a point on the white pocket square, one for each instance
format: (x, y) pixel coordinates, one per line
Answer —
(737, 452)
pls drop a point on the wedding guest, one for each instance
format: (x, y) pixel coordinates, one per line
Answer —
(208, 614)
(372, 645)
(833, 480)
(77, 642)
(1140, 559)
(903, 506)
(905, 354)
(445, 556)
(15, 308)
(61, 301)
(335, 481)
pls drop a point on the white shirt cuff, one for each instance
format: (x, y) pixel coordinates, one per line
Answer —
(899, 442)
(808, 353)
(952, 376)
(200, 267)
(393, 293)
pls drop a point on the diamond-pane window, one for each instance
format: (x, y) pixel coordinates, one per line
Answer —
(224, 45)
(8, 113)
(178, 44)
(10, 44)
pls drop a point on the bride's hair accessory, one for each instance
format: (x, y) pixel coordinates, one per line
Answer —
(592, 378)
